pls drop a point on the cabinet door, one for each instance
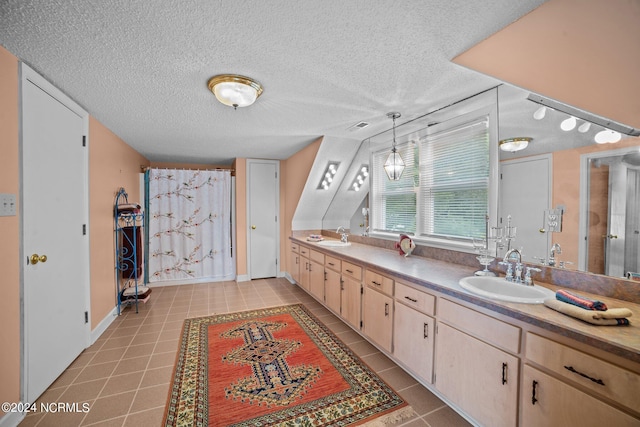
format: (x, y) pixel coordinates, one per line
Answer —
(477, 377)
(351, 301)
(304, 273)
(377, 317)
(332, 290)
(316, 280)
(295, 267)
(413, 334)
(547, 401)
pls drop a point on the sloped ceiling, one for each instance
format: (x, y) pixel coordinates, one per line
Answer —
(141, 67)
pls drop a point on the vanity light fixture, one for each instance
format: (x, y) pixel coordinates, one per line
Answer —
(540, 113)
(584, 127)
(394, 166)
(360, 178)
(234, 90)
(568, 124)
(607, 136)
(327, 175)
(514, 144)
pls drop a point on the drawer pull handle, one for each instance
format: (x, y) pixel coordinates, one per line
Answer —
(425, 330)
(375, 283)
(410, 299)
(386, 309)
(595, 380)
(504, 373)
(534, 399)
(331, 264)
(349, 271)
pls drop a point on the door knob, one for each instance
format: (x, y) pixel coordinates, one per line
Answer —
(35, 258)
(253, 227)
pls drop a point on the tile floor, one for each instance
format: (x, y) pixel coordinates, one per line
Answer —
(124, 375)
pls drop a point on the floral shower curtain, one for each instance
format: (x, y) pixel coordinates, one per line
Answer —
(189, 225)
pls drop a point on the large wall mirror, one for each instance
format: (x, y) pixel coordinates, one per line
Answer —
(575, 203)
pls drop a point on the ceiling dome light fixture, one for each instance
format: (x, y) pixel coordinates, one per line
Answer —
(514, 144)
(394, 166)
(234, 90)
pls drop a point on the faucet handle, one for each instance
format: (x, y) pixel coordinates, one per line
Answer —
(509, 276)
(528, 280)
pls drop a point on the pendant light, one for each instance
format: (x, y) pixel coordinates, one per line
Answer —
(394, 166)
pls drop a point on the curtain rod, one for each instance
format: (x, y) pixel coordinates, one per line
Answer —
(144, 168)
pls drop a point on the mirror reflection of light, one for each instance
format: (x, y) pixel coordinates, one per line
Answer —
(568, 124)
(540, 113)
(584, 127)
(607, 136)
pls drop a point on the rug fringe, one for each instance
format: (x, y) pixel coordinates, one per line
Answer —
(391, 418)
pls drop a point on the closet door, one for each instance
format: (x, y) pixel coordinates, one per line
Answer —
(55, 254)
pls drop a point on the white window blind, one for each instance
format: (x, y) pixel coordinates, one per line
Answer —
(393, 203)
(454, 181)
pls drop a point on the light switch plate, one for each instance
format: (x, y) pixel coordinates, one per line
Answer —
(7, 204)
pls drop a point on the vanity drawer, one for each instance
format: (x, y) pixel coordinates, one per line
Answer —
(415, 298)
(295, 247)
(304, 251)
(480, 325)
(351, 270)
(378, 282)
(602, 377)
(316, 256)
(332, 263)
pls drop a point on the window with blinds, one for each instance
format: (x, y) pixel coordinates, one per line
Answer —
(444, 190)
(454, 181)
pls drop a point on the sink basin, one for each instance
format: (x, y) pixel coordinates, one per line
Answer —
(498, 288)
(334, 243)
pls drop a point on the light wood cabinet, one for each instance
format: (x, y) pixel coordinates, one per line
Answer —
(413, 340)
(332, 283)
(547, 401)
(351, 295)
(295, 263)
(377, 312)
(316, 279)
(477, 377)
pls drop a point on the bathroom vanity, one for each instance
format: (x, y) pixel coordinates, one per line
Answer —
(497, 363)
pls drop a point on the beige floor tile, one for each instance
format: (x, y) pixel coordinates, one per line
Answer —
(94, 372)
(132, 365)
(445, 417)
(122, 383)
(157, 376)
(421, 400)
(150, 397)
(83, 391)
(106, 408)
(150, 417)
(397, 378)
(161, 360)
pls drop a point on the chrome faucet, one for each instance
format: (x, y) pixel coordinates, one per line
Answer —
(343, 234)
(555, 250)
(516, 274)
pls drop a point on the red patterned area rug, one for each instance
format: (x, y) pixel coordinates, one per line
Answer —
(276, 366)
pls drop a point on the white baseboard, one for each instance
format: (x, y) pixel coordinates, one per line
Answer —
(103, 325)
(11, 419)
(190, 281)
(243, 278)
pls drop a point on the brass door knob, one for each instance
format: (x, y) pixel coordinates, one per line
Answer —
(253, 227)
(35, 258)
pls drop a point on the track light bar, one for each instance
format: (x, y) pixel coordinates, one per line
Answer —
(584, 115)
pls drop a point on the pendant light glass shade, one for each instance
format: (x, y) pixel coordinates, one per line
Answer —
(394, 166)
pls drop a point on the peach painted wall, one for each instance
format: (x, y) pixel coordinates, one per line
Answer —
(566, 191)
(293, 177)
(240, 165)
(9, 230)
(580, 52)
(112, 164)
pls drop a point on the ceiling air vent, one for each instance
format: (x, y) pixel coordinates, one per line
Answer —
(358, 126)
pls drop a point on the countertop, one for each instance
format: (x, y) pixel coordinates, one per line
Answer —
(443, 277)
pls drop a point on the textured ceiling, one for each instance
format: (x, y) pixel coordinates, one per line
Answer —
(141, 67)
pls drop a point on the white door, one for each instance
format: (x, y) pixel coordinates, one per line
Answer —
(525, 193)
(54, 220)
(263, 206)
